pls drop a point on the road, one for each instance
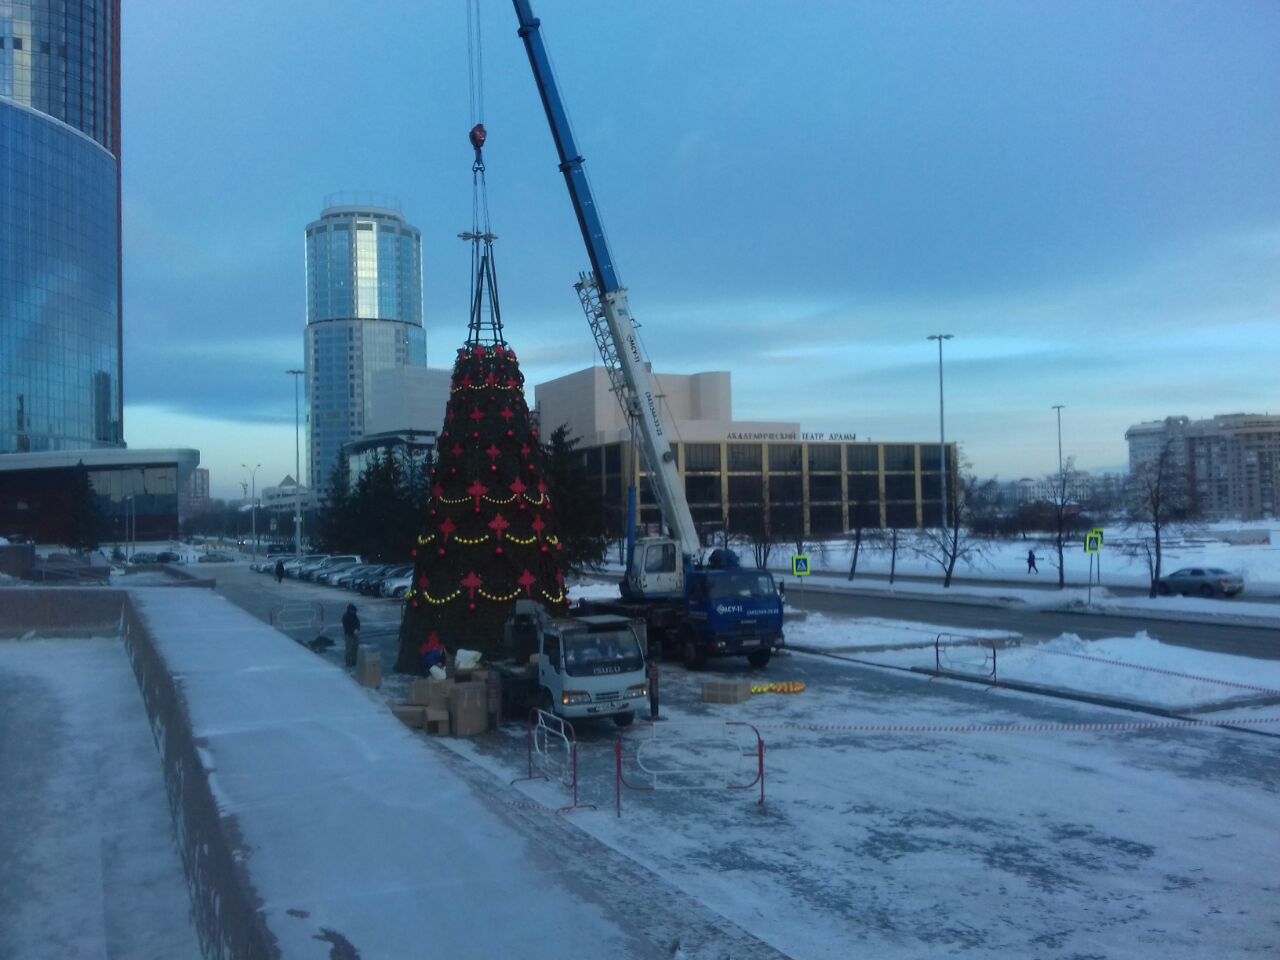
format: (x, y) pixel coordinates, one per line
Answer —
(380, 619)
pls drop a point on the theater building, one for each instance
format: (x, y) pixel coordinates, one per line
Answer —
(747, 476)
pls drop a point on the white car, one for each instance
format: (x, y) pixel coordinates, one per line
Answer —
(397, 587)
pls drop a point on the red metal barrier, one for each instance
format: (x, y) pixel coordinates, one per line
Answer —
(546, 729)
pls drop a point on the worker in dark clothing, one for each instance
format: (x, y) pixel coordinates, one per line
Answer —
(351, 633)
(279, 571)
(1031, 562)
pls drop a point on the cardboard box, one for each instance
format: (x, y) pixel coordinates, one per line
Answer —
(411, 716)
(370, 674)
(429, 692)
(436, 722)
(367, 652)
(469, 722)
(468, 710)
(737, 690)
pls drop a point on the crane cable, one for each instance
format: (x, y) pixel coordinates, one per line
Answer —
(486, 320)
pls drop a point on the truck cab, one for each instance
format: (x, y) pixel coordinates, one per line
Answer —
(590, 666)
(731, 612)
(655, 570)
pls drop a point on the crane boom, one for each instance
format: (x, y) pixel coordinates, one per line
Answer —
(606, 299)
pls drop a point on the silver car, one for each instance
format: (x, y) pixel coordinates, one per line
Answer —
(1204, 581)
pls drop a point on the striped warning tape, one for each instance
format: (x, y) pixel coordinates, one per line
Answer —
(1016, 727)
(1160, 670)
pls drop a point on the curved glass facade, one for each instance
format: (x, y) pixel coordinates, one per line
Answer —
(364, 314)
(62, 57)
(59, 287)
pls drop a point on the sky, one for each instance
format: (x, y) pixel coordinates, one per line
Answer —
(1084, 194)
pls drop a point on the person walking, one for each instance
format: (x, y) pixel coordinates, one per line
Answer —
(351, 633)
(279, 571)
(1031, 562)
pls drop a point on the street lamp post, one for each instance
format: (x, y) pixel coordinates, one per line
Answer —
(1058, 407)
(253, 503)
(942, 428)
(297, 468)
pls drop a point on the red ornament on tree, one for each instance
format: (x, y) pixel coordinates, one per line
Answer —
(527, 580)
(472, 583)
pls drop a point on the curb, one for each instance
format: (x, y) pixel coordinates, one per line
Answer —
(1142, 613)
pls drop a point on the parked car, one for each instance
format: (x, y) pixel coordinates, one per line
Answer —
(292, 568)
(168, 556)
(143, 557)
(343, 576)
(368, 583)
(397, 586)
(1205, 581)
(331, 565)
(215, 557)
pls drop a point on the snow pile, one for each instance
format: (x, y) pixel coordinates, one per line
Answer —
(818, 631)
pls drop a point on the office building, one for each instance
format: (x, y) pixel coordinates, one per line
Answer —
(364, 315)
(1230, 464)
(746, 475)
(407, 414)
(60, 311)
(61, 390)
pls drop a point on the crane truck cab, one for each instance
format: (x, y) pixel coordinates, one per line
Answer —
(589, 666)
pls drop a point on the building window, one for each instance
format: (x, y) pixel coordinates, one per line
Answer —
(900, 456)
(900, 487)
(824, 489)
(862, 457)
(824, 457)
(702, 456)
(745, 457)
(825, 521)
(746, 489)
(785, 489)
(864, 488)
(930, 457)
(900, 515)
(784, 458)
(702, 489)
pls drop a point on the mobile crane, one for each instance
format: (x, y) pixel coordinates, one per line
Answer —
(699, 610)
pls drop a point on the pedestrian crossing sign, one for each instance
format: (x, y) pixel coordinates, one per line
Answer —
(799, 565)
(1097, 532)
(1092, 543)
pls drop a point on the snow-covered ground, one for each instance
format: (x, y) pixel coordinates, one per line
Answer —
(1259, 564)
(913, 818)
(87, 864)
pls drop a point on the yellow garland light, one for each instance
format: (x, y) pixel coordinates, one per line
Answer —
(497, 599)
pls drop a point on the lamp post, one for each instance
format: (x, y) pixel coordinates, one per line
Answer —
(253, 503)
(1058, 407)
(942, 428)
(297, 468)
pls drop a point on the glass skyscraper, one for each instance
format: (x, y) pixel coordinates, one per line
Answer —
(60, 310)
(364, 314)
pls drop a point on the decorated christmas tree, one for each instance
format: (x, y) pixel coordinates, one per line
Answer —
(488, 536)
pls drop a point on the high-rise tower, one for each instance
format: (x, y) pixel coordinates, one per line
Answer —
(364, 314)
(60, 312)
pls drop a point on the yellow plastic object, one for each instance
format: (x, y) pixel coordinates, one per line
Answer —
(789, 686)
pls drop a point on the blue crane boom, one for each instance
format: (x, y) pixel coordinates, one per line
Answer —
(605, 301)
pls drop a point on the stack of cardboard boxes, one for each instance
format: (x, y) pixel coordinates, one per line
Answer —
(456, 706)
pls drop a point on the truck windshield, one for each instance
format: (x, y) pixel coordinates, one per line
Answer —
(587, 654)
(740, 584)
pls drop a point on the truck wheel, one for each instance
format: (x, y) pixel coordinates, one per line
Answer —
(692, 652)
(545, 703)
(759, 658)
(624, 719)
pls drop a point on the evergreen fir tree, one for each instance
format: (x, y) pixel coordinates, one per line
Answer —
(489, 534)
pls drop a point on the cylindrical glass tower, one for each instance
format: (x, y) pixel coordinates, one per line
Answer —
(60, 311)
(364, 314)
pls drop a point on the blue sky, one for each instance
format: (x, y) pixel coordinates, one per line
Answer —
(1084, 194)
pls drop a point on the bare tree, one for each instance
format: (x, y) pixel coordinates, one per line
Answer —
(947, 545)
(1064, 507)
(1159, 496)
(861, 518)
